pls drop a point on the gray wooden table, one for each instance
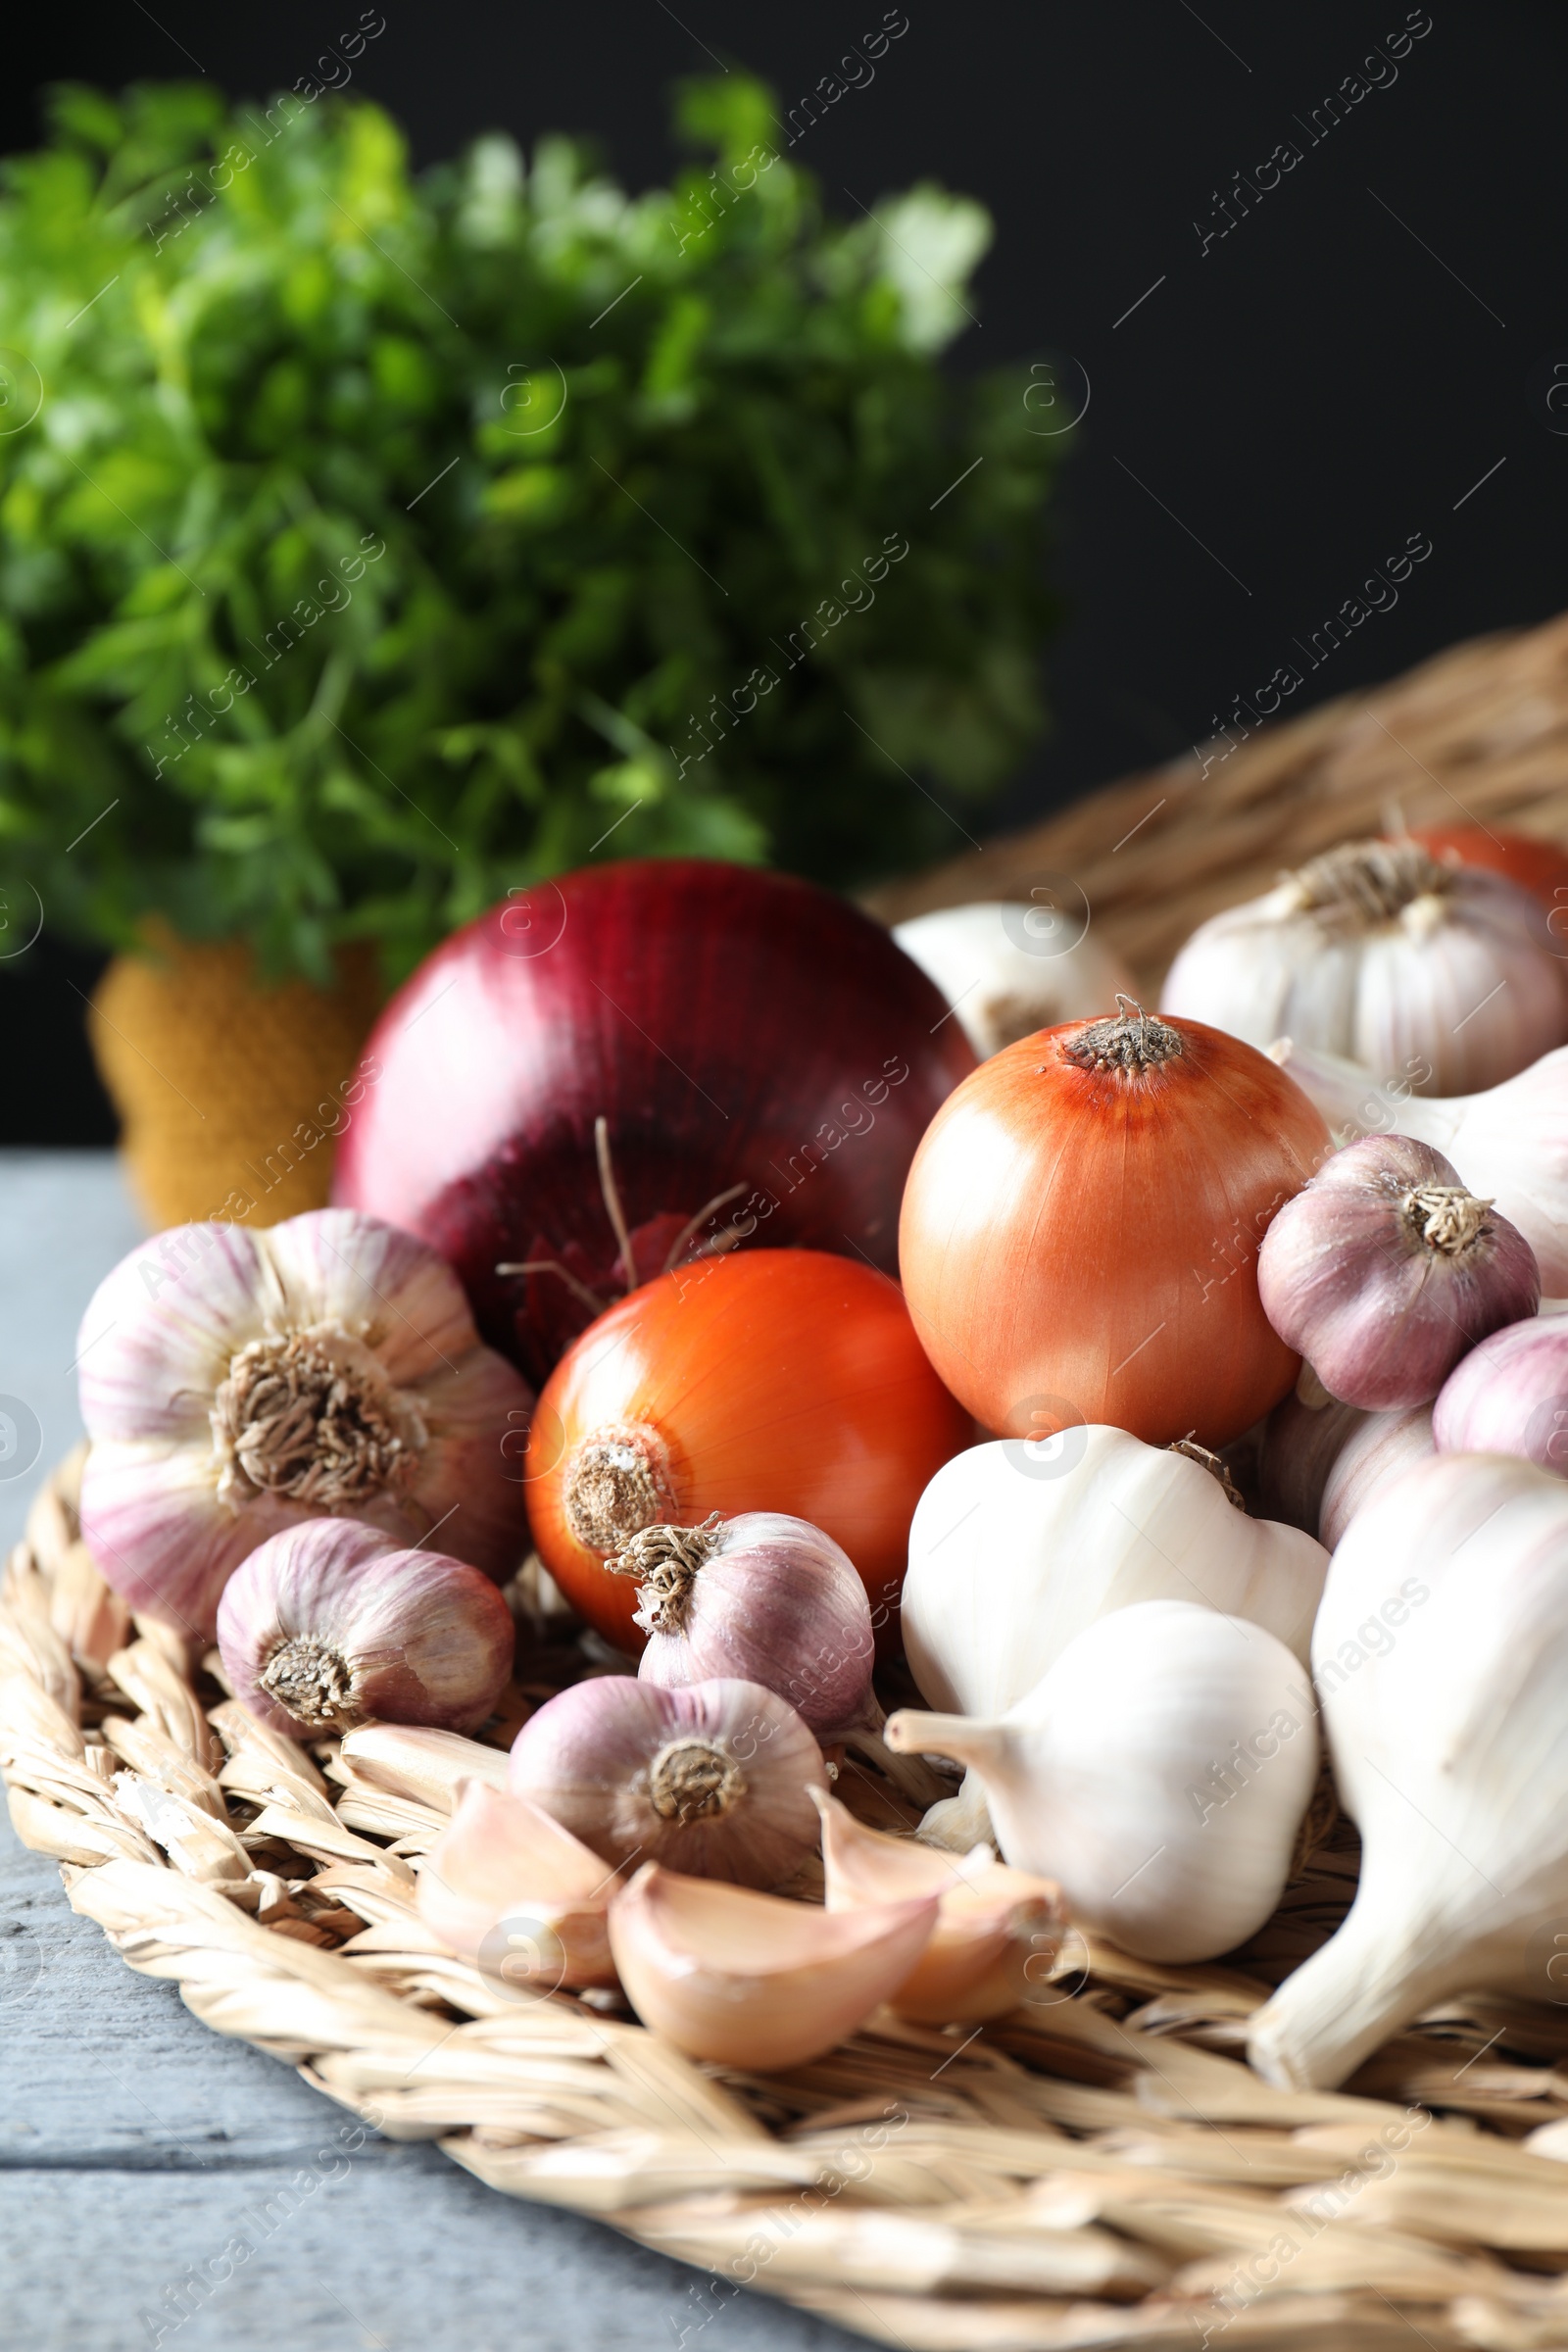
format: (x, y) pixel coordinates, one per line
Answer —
(138, 2148)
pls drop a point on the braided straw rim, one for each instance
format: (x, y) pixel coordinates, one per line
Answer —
(1099, 2168)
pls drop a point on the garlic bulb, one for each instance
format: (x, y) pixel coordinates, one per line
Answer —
(1385, 1270)
(1010, 969)
(1440, 1658)
(1016, 1548)
(1160, 1773)
(1511, 1396)
(236, 1383)
(1319, 1464)
(329, 1625)
(761, 1597)
(510, 1891)
(715, 1779)
(745, 1980)
(1379, 952)
(1512, 1142)
(997, 1932)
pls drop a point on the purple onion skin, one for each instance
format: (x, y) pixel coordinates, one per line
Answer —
(735, 1028)
(1511, 1396)
(778, 1602)
(1381, 1315)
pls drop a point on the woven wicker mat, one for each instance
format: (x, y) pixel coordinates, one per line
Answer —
(1477, 736)
(1099, 2168)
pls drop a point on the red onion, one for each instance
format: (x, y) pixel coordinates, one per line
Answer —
(329, 1624)
(715, 1781)
(1386, 1269)
(640, 1063)
(765, 1597)
(1511, 1396)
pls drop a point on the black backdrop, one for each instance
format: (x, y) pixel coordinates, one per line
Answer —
(1291, 369)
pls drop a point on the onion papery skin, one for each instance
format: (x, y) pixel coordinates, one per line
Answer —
(775, 1379)
(1538, 866)
(732, 1028)
(1511, 1396)
(1079, 1245)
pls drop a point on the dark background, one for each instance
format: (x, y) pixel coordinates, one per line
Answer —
(1273, 420)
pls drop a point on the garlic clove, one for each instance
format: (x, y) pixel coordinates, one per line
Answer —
(997, 1930)
(747, 1979)
(512, 1891)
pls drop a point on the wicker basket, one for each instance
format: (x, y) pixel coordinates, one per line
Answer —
(1099, 2168)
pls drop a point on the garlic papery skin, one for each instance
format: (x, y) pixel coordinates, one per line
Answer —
(744, 1979)
(714, 1779)
(508, 1890)
(1385, 1270)
(762, 1597)
(1440, 1659)
(1159, 1773)
(236, 1382)
(1008, 969)
(1017, 1546)
(330, 1625)
(1510, 1142)
(997, 1932)
(1382, 953)
(1321, 1464)
(1511, 1396)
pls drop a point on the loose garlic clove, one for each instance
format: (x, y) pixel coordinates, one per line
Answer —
(750, 1980)
(997, 1930)
(512, 1891)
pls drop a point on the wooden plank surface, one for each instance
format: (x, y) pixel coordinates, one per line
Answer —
(160, 2186)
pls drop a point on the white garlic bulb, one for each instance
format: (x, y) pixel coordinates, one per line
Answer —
(1159, 1773)
(1016, 1548)
(1381, 954)
(1440, 1659)
(236, 1383)
(1008, 969)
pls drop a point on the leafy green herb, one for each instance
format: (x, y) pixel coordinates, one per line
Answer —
(379, 546)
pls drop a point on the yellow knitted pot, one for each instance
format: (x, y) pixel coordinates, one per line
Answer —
(230, 1095)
